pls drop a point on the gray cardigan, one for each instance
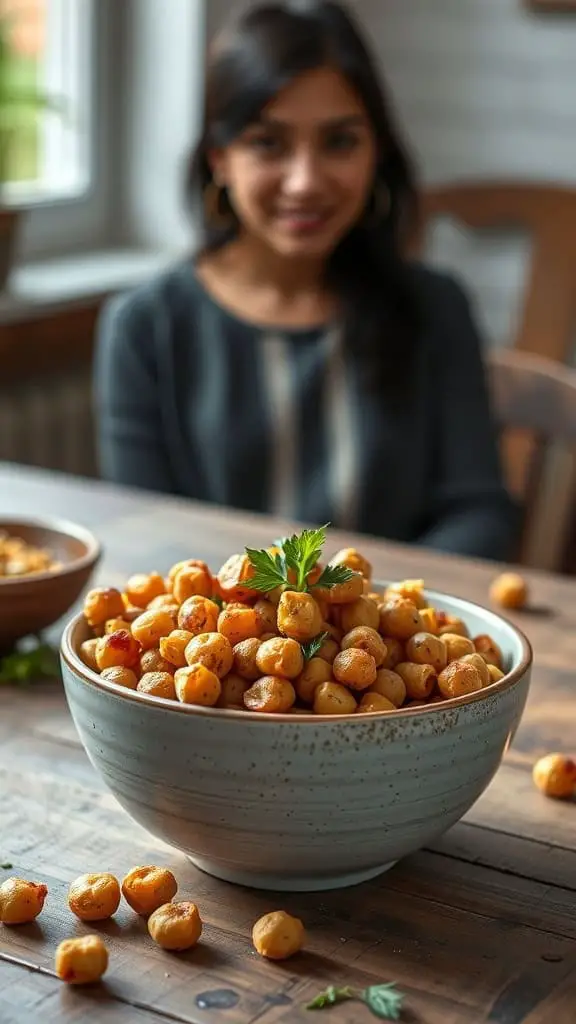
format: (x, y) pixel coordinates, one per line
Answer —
(193, 401)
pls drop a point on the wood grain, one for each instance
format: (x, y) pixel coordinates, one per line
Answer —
(480, 928)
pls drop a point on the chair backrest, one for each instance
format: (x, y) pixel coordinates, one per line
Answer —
(548, 319)
(534, 402)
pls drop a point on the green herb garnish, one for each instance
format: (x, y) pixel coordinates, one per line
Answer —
(6, 867)
(290, 567)
(310, 650)
(23, 667)
(384, 1001)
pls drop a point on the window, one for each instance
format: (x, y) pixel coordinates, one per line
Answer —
(49, 158)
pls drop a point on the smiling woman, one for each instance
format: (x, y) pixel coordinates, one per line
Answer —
(299, 363)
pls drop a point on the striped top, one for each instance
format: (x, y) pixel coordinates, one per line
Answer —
(194, 401)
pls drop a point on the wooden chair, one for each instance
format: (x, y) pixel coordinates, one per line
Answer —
(548, 213)
(535, 398)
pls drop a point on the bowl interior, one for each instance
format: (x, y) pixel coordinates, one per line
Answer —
(69, 544)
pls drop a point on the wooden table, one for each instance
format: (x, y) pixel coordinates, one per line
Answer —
(479, 928)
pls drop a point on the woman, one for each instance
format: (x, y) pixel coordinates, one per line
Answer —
(300, 364)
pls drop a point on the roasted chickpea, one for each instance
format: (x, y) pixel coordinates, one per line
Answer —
(330, 647)
(459, 679)
(488, 649)
(390, 685)
(101, 604)
(121, 676)
(272, 694)
(158, 684)
(363, 638)
(164, 602)
(430, 620)
(353, 560)
(94, 897)
(131, 611)
(555, 775)
(457, 646)
(299, 616)
(238, 624)
(267, 616)
(419, 680)
(478, 661)
(198, 615)
(280, 656)
(278, 936)
(374, 702)
(268, 636)
(21, 901)
(495, 673)
(232, 578)
(197, 684)
(394, 652)
(176, 568)
(147, 888)
(88, 653)
(152, 661)
(244, 664)
(173, 647)
(81, 961)
(112, 625)
(451, 624)
(426, 649)
(233, 689)
(413, 590)
(399, 617)
(118, 648)
(143, 588)
(149, 628)
(333, 699)
(176, 926)
(344, 593)
(316, 671)
(213, 651)
(363, 612)
(355, 668)
(510, 590)
(191, 581)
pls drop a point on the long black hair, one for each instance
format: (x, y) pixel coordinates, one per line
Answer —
(256, 56)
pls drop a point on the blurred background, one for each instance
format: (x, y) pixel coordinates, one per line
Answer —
(100, 103)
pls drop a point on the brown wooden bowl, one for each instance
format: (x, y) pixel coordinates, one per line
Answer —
(30, 604)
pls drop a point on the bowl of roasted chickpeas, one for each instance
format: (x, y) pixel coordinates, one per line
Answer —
(289, 723)
(45, 564)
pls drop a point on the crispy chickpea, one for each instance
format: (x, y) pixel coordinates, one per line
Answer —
(158, 684)
(150, 627)
(233, 689)
(333, 699)
(94, 897)
(419, 680)
(198, 615)
(81, 961)
(457, 646)
(363, 612)
(268, 636)
(430, 620)
(495, 673)
(390, 685)
(119, 648)
(299, 616)
(330, 648)
(21, 901)
(102, 604)
(374, 702)
(111, 625)
(197, 684)
(363, 638)
(173, 647)
(451, 624)
(555, 775)
(459, 679)
(272, 694)
(267, 616)
(280, 656)
(144, 587)
(191, 581)
(176, 926)
(510, 590)
(316, 671)
(344, 593)
(488, 649)
(278, 936)
(426, 649)
(244, 664)
(399, 617)
(165, 602)
(147, 888)
(213, 651)
(152, 661)
(413, 590)
(121, 676)
(394, 652)
(478, 661)
(355, 668)
(88, 653)
(173, 572)
(232, 578)
(353, 560)
(131, 611)
(238, 624)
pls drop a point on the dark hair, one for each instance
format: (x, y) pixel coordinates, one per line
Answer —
(249, 63)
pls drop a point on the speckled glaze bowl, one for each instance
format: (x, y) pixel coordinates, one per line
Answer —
(297, 803)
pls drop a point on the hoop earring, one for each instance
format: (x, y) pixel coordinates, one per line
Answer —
(217, 215)
(380, 204)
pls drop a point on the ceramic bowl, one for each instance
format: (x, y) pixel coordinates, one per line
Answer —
(30, 604)
(297, 803)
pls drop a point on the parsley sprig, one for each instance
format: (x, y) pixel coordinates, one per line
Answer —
(290, 565)
(384, 1001)
(30, 665)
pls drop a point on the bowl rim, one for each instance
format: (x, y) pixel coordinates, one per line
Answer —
(512, 679)
(66, 527)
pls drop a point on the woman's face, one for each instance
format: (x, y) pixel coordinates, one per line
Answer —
(301, 177)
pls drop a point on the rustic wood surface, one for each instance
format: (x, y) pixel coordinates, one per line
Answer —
(481, 928)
